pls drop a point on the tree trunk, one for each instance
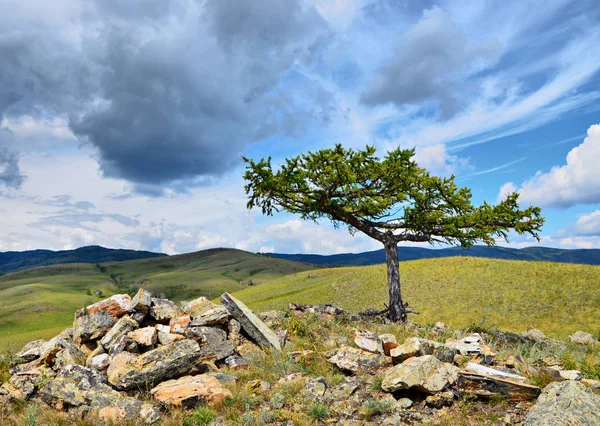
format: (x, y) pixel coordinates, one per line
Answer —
(396, 307)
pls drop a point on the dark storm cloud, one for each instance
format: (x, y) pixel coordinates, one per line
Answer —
(166, 91)
(427, 64)
(10, 172)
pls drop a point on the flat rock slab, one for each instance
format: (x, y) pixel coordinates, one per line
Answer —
(565, 404)
(251, 324)
(163, 310)
(128, 371)
(189, 391)
(471, 367)
(120, 329)
(356, 360)
(484, 386)
(92, 326)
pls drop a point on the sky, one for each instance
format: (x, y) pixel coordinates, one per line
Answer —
(124, 123)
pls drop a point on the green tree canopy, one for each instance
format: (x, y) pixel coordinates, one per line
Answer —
(391, 199)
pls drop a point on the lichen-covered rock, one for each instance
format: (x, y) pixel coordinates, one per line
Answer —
(116, 305)
(166, 362)
(120, 329)
(31, 350)
(198, 306)
(168, 338)
(368, 341)
(146, 336)
(100, 362)
(124, 344)
(250, 323)
(77, 386)
(356, 360)
(92, 326)
(441, 351)
(564, 404)
(141, 302)
(218, 315)
(179, 323)
(425, 373)
(410, 348)
(583, 338)
(189, 391)
(163, 310)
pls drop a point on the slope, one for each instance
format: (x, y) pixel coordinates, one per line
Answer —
(546, 254)
(513, 295)
(11, 261)
(38, 303)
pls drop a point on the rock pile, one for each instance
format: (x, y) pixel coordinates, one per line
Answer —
(139, 344)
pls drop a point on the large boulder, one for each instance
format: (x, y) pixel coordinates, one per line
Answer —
(426, 373)
(356, 360)
(565, 404)
(250, 323)
(127, 371)
(189, 391)
(76, 386)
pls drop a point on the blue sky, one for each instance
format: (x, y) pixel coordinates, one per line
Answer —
(123, 123)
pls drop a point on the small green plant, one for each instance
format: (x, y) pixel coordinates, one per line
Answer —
(374, 408)
(32, 414)
(318, 411)
(201, 416)
(376, 384)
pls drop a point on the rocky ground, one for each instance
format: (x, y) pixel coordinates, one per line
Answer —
(144, 360)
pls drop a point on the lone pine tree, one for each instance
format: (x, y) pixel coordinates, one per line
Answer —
(390, 199)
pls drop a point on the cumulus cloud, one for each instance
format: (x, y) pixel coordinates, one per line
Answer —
(165, 91)
(429, 64)
(576, 182)
(437, 160)
(588, 225)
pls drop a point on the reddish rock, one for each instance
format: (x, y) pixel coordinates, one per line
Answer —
(144, 336)
(117, 305)
(191, 390)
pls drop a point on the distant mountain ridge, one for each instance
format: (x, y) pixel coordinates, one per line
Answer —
(12, 261)
(547, 254)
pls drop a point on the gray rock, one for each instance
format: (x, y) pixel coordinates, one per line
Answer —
(141, 302)
(480, 369)
(31, 350)
(250, 323)
(565, 404)
(163, 310)
(356, 360)
(77, 386)
(441, 351)
(583, 338)
(214, 316)
(124, 344)
(92, 326)
(368, 341)
(426, 373)
(410, 348)
(127, 371)
(120, 329)
(100, 362)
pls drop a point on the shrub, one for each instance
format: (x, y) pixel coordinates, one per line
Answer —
(201, 416)
(318, 411)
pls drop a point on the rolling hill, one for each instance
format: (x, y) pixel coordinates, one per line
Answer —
(11, 261)
(544, 254)
(40, 302)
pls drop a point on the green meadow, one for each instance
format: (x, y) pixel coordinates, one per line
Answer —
(557, 298)
(41, 302)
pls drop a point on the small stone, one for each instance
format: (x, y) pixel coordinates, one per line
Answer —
(100, 362)
(236, 362)
(439, 327)
(146, 336)
(31, 350)
(535, 334)
(141, 302)
(583, 338)
(178, 324)
(511, 362)
(368, 341)
(315, 388)
(356, 360)
(169, 338)
(404, 403)
(389, 342)
(120, 329)
(410, 348)
(570, 375)
(163, 310)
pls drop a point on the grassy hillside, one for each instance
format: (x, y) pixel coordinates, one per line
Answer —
(513, 295)
(544, 254)
(40, 302)
(12, 261)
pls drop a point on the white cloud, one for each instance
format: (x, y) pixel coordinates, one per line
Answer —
(437, 161)
(505, 190)
(576, 182)
(588, 224)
